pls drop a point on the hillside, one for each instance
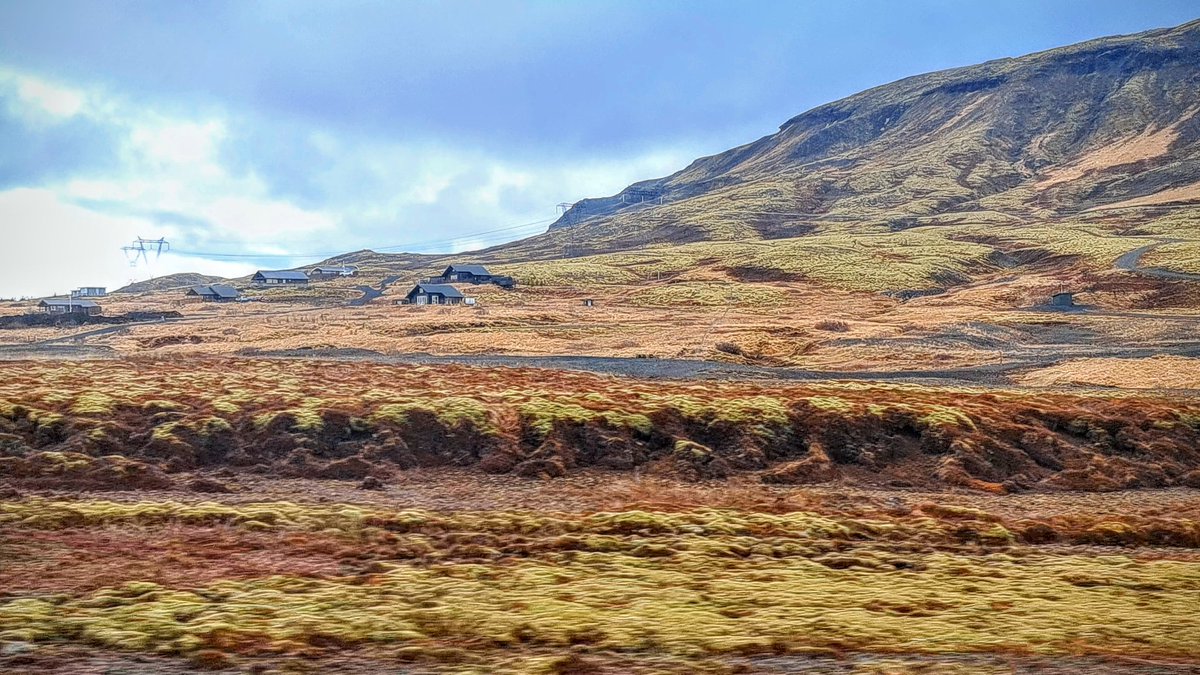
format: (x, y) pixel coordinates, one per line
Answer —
(1108, 122)
(1054, 155)
(169, 282)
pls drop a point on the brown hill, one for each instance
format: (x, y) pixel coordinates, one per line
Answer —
(169, 282)
(1109, 122)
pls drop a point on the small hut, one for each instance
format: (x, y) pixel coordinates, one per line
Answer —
(1062, 299)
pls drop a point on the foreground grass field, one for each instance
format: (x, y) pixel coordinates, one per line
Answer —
(697, 590)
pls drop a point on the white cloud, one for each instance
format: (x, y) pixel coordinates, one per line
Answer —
(186, 143)
(173, 176)
(273, 223)
(41, 101)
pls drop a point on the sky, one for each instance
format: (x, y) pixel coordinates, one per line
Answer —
(271, 134)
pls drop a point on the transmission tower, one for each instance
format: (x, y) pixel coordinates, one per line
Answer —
(141, 248)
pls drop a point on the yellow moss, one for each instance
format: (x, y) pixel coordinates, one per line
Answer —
(449, 410)
(830, 403)
(939, 415)
(93, 403)
(542, 414)
(709, 294)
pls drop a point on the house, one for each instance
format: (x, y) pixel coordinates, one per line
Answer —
(469, 274)
(434, 294)
(279, 278)
(473, 274)
(69, 306)
(325, 272)
(214, 293)
(89, 292)
(1062, 300)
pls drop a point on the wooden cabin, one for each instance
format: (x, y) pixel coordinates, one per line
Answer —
(434, 294)
(69, 306)
(279, 278)
(214, 293)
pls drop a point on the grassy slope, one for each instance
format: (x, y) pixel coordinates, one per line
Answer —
(512, 591)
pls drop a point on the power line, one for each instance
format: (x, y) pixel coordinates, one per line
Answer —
(328, 254)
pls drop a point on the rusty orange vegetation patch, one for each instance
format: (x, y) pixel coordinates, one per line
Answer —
(111, 424)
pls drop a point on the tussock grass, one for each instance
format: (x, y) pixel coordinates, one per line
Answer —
(689, 584)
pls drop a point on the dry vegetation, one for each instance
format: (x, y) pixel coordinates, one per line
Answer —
(1157, 372)
(350, 588)
(65, 423)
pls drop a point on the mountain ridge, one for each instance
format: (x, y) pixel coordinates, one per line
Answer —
(1004, 125)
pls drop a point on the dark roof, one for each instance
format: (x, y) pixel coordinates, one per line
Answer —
(281, 275)
(443, 289)
(473, 269)
(215, 290)
(64, 302)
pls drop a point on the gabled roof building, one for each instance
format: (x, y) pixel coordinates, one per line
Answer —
(69, 306)
(279, 277)
(214, 293)
(434, 294)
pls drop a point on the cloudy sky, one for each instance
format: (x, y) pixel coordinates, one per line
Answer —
(274, 133)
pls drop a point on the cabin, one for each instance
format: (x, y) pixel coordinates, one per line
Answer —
(473, 274)
(434, 294)
(214, 293)
(69, 306)
(1062, 300)
(326, 272)
(589, 302)
(467, 274)
(272, 278)
(90, 292)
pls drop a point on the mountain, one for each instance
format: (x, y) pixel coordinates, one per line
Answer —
(169, 282)
(1105, 123)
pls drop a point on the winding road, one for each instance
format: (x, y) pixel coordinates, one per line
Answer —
(1129, 262)
(369, 293)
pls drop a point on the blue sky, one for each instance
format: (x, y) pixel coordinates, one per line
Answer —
(279, 128)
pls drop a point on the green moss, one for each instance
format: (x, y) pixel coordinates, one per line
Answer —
(162, 405)
(939, 415)
(541, 415)
(303, 419)
(212, 426)
(834, 404)
(165, 431)
(452, 411)
(93, 403)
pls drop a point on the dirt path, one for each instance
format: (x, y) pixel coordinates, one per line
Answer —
(369, 294)
(1129, 263)
(671, 369)
(108, 330)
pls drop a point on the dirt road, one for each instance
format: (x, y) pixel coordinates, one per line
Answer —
(1129, 263)
(369, 294)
